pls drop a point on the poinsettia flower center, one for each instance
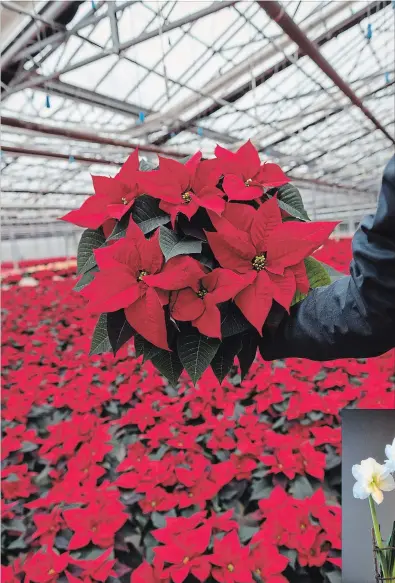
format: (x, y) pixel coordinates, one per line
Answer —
(201, 293)
(153, 504)
(248, 182)
(186, 196)
(142, 274)
(185, 560)
(258, 571)
(124, 200)
(302, 526)
(51, 572)
(259, 261)
(231, 568)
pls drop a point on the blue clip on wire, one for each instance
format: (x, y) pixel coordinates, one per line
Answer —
(369, 32)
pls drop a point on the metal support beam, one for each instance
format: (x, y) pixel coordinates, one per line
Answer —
(236, 94)
(309, 48)
(214, 7)
(323, 118)
(85, 137)
(18, 151)
(48, 14)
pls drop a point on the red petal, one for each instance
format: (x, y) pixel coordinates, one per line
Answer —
(179, 574)
(207, 174)
(248, 159)
(209, 323)
(255, 300)
(284, 288)
(211, 200)
(201, 569)
(151, 256)
(128, 172)
(231, 251)
(178, 273)
(116, 211)
(240, 215)
(292, 241)
(302, 281)
(236, 189)
(147, 317)
(79, 540)
(223, 284)
(266, 218)
(91, 214)
(226, 159)
(193, 163)
(187, 306)
(173, 172)
(272, 175)
(111, 291)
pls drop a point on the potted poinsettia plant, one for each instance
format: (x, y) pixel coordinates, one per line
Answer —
(372, 479)
(192, 258)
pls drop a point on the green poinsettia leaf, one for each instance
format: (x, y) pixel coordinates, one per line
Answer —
(317, 275)
(143, 347)
(118, 329)
(225, 356)
(290, 200)
(90, 240)
(232, 320)
(168, 364)
(247, 353)
(173, 245)
(86, 279)
(196, 352)
(147, 214)
(100, 340)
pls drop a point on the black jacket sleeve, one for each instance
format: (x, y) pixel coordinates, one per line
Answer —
(354, 317)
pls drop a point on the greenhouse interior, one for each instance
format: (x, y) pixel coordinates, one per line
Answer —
(181, 181)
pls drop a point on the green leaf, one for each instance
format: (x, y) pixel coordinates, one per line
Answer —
(173, 245)
(247, 353)
(261, 489)
(168, 364)
(90, 240)
(119, 231)
(118, 329)
(290, 200)
(86, 279)
(232, 320)
(100, 340)
(317, 276)
(247, 532)
(225, 356)
(144, 347)
(301, 488)
(147, 214)
(196, 352)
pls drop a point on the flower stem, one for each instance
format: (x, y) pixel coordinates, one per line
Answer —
(377, 535)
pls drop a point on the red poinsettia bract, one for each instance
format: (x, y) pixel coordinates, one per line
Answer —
(245, 177)
(198, 293)
(183, 188)
(120, 283)
(267, 253)
(112, 199)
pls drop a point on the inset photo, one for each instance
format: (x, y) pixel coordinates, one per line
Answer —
(368, 496)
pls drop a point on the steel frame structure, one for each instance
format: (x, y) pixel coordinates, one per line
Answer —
(306, 82)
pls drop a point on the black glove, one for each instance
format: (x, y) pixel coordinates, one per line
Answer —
(354, 317)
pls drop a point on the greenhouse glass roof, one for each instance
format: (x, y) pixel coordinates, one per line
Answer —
(85, 82)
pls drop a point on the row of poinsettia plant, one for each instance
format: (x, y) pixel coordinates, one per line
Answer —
(106, 468)
(192, 259)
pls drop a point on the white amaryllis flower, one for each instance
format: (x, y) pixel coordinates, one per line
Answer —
(390, 453)
(372, 480)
